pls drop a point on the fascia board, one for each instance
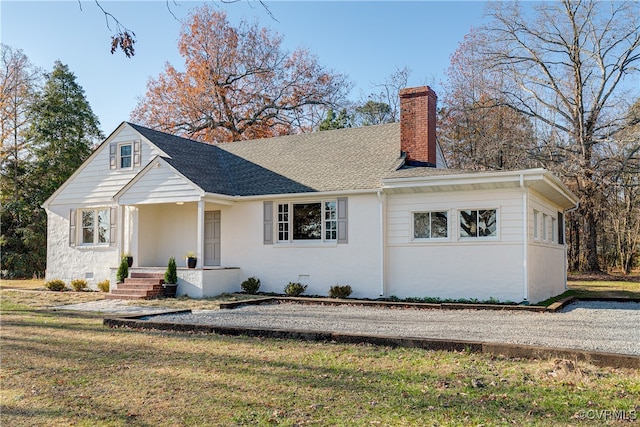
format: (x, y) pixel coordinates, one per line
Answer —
(450, 180)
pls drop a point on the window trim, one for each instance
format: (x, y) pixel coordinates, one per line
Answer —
(430, 239)
(478, 238)
(536, 225)
(120, 157)
(290, 218)
(115, 154)
(79, 227)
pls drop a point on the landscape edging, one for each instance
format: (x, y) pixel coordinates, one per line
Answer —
(504, 349)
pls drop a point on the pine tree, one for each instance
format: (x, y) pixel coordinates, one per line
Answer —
(63, 130)
(60, 135)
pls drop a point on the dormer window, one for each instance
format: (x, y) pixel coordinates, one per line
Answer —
(125, 155)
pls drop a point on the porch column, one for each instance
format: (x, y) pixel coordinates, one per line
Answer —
(120, 231)
(200, 239)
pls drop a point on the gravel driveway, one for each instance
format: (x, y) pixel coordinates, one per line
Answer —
(595, 326)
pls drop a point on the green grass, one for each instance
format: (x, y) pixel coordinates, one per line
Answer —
(65, 368)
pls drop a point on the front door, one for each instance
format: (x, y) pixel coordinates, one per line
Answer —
(212, 238)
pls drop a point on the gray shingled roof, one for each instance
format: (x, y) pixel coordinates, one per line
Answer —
(344, 159)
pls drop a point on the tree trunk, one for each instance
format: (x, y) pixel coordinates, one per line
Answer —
(591, 233)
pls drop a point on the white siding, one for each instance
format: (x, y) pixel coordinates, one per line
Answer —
(480, 268)
(160, 184)
(96, 183)
(507, 202)
(546, 257)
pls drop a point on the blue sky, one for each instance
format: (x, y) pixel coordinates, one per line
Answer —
(367, 40)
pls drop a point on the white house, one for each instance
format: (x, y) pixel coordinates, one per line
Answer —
(373, 207)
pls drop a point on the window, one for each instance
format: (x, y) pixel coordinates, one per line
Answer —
(95, 227)
(560, 228)
(545, 227)
(308, 221)
(283, 222)
(554, 230)
(430, 225)
(480, 223)
(125, 155)
(536, 227)
(330, 220)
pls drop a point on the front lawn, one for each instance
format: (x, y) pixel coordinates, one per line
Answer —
(65, 368)
(629, 288)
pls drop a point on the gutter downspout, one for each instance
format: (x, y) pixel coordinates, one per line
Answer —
(525, 243)
(382, 241)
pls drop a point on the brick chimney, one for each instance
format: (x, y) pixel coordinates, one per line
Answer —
(418, 125)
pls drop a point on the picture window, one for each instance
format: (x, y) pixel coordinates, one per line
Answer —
(308, 221)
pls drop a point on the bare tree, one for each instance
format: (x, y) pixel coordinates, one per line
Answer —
(19, 81)
(620, 170)
(382, 105)
(566, 63)
(477, 131)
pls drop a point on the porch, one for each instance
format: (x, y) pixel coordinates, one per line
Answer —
(193, 282)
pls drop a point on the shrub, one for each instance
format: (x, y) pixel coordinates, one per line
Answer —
(55, 285)
(251, 285)
(104, 286)
(79, 285)
(339, 291)
(123, 270)
(171, 275)
(294, 289)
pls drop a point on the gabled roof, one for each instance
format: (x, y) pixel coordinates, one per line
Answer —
(345, 159)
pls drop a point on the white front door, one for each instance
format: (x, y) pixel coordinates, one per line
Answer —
(212, 238)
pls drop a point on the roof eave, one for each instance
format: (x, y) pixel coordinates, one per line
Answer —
(501, 179)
